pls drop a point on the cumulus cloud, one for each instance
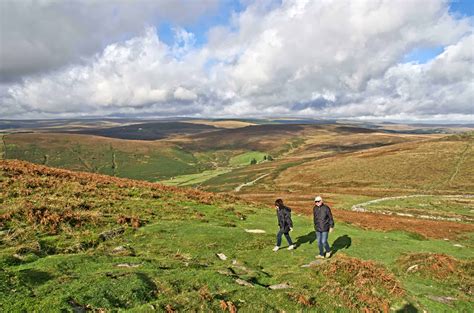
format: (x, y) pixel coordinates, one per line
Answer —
(334, 59)
(38, 36)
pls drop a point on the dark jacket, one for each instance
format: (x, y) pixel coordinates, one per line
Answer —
(284, 219)
(322, 218)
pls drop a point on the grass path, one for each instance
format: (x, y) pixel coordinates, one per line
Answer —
(237, 189)
(461, 159)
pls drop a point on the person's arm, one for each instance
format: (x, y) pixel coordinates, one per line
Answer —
(314, 216)
(331, 220)
(290, 221)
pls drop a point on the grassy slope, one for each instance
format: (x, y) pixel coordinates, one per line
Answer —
(53, 257)
(444, 165)
(123, 158)
(246, 158)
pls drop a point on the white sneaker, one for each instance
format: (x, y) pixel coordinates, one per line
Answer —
(328, 255)
(276, 248)
(291, 247)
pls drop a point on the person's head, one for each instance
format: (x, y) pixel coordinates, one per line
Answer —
(318, 200)
(279, 203)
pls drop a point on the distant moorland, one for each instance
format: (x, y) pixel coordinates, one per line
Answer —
(146, 206)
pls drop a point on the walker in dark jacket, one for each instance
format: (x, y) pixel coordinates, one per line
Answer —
(285, 223)
(323, 223)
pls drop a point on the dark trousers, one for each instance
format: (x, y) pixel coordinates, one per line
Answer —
(287, 236)
(322, 238)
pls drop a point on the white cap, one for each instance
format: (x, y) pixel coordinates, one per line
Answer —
(318, 198)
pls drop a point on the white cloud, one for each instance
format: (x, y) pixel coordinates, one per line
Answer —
(37, 36)
(184, 94)
(304, 58)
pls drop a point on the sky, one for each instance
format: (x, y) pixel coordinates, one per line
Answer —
(372, 60)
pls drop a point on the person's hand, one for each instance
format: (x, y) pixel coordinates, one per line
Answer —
(331, 230)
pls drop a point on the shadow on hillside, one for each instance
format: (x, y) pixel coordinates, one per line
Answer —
(408, 308)
(34, 277)
(310, 237)
(342, 242)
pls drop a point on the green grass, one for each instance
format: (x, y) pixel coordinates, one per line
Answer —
(194, 179)
(172, 258)
(246, 158)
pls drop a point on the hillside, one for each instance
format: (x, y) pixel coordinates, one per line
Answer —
(79, 241)
(147, 160)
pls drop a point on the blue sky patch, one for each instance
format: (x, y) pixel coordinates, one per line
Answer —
(222, 16)
(462, 7)
(422, 55)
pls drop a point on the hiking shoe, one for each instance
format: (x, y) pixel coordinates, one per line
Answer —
(276, 248)
(320, 256)
(291, 247)
(328, 255)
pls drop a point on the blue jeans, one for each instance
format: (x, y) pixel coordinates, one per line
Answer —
(322, 238)
(287, 236)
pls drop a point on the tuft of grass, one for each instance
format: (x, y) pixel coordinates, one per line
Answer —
(361, 285)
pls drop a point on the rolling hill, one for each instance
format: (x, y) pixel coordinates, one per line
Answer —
(75, 241)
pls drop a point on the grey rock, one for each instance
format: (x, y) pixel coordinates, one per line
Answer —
(279, 286)
(109, 234)
(442, 299)
(313, 263)
(127, 265)
(243, 282)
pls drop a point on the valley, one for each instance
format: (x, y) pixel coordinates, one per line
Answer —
(150, 214)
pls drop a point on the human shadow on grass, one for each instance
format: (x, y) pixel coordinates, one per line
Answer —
(310, 237)
(342, 242)
(408, 308)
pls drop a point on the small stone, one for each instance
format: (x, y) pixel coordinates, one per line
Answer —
(313, 263)
(442, 299)
(19, 257)
(255, 231)
(243, 282)
(280, 286)
(127, 265)
(225, 272)
(221, 256)
(412, 268)
(119, 249)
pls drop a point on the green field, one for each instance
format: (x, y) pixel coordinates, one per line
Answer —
(245, 158)
(194, 179)
(88, 242)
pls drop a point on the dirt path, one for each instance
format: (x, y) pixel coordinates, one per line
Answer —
(362, 207)
(237, 189)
